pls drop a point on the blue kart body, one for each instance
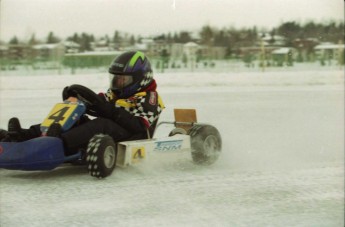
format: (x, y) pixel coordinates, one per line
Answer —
(43, 153)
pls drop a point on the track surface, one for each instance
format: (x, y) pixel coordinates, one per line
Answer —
(282, 165)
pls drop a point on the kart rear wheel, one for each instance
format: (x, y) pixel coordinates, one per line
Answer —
(178, 131)
(101, 156)
(206, 144)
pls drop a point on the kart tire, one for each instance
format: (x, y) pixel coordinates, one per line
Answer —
(206, 144)
(178, 131)
(101, 156)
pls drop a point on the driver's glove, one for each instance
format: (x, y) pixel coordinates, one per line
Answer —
(66, 93)
(4, 136)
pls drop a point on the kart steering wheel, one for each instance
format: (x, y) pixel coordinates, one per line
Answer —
(87, 96)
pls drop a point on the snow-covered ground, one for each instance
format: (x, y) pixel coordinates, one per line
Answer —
(282, 162)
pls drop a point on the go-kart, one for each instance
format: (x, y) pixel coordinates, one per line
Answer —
(101, 156)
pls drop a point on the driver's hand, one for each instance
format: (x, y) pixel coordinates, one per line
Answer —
(72, 99)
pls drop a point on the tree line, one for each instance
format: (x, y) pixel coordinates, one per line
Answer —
(230, 38)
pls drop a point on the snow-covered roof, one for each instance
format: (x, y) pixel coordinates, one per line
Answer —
(141, 46)
(46, 46)
(284, 50)
(89, 53)
(329, 46)
(268, 37)
(191, 44)
(147, 40)
(71, 44)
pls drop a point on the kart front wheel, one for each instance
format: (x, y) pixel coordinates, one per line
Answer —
(101, 156)
(206, 144)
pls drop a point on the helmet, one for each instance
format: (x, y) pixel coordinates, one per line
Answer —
(130, 72)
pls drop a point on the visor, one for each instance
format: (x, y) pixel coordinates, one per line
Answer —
(120, 81)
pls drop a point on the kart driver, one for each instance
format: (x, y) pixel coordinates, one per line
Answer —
(130, 110)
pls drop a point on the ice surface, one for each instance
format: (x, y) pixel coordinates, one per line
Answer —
(282, 162)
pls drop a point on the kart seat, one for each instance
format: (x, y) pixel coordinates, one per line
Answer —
(185, 118)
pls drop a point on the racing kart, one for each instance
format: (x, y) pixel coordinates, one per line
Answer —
(102, 154)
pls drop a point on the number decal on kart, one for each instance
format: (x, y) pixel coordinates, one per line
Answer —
(59, 114)
(138, 153)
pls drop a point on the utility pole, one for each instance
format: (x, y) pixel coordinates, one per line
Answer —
(263, 57)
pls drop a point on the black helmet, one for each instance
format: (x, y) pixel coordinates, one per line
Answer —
(130, 72)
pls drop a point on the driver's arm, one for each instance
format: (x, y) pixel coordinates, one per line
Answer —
(122, 117)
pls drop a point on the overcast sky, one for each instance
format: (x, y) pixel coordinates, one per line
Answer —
(151, 17)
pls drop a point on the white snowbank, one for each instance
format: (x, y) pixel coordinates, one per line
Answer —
(99, 81)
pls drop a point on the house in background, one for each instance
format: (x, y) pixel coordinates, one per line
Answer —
(190, 50)
(329, 51)
(49, 52)
(47, 55)
(283, 56)
(305, 49)
(71, 47)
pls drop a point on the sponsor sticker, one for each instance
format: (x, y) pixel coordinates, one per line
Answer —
(171, 145)
(118, 64)
(153, 98)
